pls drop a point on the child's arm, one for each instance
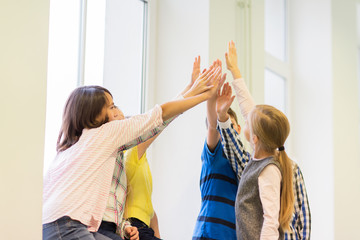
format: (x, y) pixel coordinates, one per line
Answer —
(242, 93)
(203, 88)
(232, 145)
(199, 92)
(302, 209)
(155, 225)
(143, 146)
(269, 182)
(194, 76)
(213, 135)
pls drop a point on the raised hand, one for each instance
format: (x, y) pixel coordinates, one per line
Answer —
(196, 70)
(195, 74)
(204, 82)
(221, 79)
(223, 102)
(231, 60)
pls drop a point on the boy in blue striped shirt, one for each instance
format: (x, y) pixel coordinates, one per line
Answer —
(218, 182)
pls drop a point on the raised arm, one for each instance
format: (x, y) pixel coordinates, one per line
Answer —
(142, 147)
(194, 75)
(242, 93)
(213, 135)
(230, 139)
(202, 89)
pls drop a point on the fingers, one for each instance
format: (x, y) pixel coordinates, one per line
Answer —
(211, 74)
(222, 80)
(196, 69)
(215, 77)
(224, 89)
(134, 233)
(230, 102)
(196, 64)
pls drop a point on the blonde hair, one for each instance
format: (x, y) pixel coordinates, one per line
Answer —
(272, 127)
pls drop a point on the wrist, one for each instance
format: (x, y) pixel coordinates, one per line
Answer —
(236, 73)
(223, 117)
(187, 94)
(186, 89)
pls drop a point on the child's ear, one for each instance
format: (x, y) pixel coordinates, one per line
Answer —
(255, 139)
(238, 128)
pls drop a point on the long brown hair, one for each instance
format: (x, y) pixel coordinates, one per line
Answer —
(81, 109)
(272, 127)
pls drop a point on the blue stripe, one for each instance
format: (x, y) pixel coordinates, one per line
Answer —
(217, 220)
(219, 199)
(220, 177)
(202, 238)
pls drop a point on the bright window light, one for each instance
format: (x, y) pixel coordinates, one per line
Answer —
(275, 28)
(275, 90)
(94, 43)
(123, 69)
(62, 67)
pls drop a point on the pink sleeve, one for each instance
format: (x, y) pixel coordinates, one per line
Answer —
(269, 188)
(120, 132)
(243, 96)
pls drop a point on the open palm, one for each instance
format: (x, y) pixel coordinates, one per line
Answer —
(224, 99)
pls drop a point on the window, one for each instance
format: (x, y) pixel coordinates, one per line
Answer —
(275, 90)
(94, 43)
(358, 41)
(358, 38)
(277, 70)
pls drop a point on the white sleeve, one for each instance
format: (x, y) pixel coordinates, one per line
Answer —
(269, 188)
(243, 96)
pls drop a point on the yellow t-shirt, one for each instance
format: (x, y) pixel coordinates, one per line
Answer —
(139, 183)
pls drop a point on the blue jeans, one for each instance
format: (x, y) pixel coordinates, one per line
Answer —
(67, 229)
(109, 229)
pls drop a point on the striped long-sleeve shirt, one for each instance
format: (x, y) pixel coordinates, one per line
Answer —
(78, 181)
(238, 157)
(116, 202)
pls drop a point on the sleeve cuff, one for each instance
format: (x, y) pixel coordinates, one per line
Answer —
(239, 80)
(226, 124)
(124, 225)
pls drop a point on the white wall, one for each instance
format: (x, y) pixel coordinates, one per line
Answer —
(23, 64)
(179, 31)
(312, 97)
(324, 94)
(346, 147)
(180, 34)
(325, 121)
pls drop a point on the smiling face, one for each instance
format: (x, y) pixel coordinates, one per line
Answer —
(110, 112)
(116, 114)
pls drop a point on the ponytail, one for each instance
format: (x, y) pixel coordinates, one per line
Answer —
(287, 193)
